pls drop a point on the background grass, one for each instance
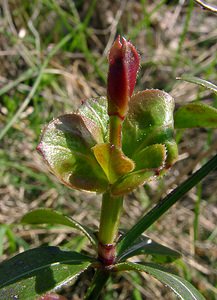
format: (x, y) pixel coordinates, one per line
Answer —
(53, 54)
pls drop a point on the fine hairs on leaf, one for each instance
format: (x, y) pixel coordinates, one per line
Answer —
(111, 145)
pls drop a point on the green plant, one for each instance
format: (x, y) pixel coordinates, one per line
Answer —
(110, 146)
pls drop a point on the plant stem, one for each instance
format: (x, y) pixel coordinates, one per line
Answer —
(115, 126)
(99, 281)
(108, 229)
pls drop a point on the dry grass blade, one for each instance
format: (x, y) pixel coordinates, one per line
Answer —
(207, 6)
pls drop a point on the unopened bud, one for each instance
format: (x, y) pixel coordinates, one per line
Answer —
(123, 68)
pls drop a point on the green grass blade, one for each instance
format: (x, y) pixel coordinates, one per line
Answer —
(25, 76)
(35, 86)
(197, 211)
(157, 211)
(2, 235)
(184, 32)
(204, 83)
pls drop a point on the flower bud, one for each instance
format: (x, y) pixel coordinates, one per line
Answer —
(123, 68)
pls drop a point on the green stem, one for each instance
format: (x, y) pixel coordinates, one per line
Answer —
(99, 281)
(115, 126)
(108, 229)
(110, 218)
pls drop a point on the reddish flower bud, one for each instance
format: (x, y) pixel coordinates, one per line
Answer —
(123, 68)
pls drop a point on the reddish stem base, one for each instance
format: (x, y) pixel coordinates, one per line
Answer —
(106, 254)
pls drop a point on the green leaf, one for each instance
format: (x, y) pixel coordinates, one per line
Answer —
(99, 280)
(96, 110)
(113, 161)
(149, 121)
(146, 246)
(3, 230)
(200, 82)
(66, 147)
(48, 216)
(129, 182)
(158, 210)
(150, 157)
(37, 271)
(196, 115)
(182, 288)
(150, 161)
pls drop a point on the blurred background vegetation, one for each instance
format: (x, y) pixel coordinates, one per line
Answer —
(53, 54)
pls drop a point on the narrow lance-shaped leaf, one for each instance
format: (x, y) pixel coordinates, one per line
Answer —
(146, 246)
(182, 288)
(48, 216)
(196, 114)
(37, 271)
(199, 81)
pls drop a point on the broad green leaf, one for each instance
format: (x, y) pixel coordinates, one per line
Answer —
(66, 147)
(151, 157)
(182, 288)
(196, 115)
(129, 182)
(146, 246)
(200, 82)
(112, 160)
(37, 271)
(159, 209)
(96, 110)
(149, 121)
(151, 161)
(48, 216)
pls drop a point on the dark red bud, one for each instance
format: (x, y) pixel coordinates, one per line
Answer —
(123, 68)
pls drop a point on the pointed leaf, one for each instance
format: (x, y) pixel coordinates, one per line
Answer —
(200, 82)
(182, 288)
(48, 216)
(112, 160)
(66, 147)
(196, 115)
(34, 272)
(146, 246)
